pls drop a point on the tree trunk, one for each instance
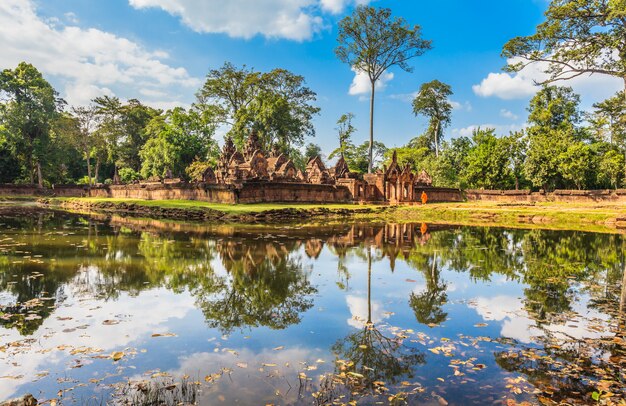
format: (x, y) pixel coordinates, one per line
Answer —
(371, 150)
(32, 170)
(89, 170)
(621, 320)
(97, 169)
(516, 182)
(39, 175)
(437, 139)
(369, 285)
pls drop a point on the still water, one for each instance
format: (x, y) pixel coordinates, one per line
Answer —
(97, 310)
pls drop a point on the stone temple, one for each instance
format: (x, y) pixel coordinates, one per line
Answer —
(254, 166)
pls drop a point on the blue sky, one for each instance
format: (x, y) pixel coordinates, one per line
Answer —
(160, 50)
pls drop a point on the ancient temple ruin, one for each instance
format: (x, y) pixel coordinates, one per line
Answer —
(253, 165)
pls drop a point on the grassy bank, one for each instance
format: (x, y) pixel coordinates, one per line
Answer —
(601, 217)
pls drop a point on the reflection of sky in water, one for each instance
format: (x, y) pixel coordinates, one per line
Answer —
(338, 310)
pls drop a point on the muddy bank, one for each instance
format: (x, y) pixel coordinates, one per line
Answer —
(288, 214)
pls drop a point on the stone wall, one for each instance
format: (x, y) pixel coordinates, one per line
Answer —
(159, 191)
(439, 194)
(526, 196)
(22, 190)
(261, 192)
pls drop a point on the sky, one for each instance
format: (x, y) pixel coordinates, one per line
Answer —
(159, 51)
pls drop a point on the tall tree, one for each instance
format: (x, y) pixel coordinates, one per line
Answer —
(372, 41)
(277, 104)
(345, 129)
(578, 37)
(27, 113)
(86, 124)
(432, 101)
(176, 139)
(609, 120)
(553, 120)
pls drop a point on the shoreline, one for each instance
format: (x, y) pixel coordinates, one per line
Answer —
(601, 217)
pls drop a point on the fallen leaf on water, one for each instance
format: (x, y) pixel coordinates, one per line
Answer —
(268, 365)
(279, 348)
(117, 355)
(110, 322)
(163, 335)
(481, 325)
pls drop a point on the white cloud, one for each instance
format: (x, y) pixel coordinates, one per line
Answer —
(289, 19)
(337, 6)
(361, 83)
(508, 114)
(88, 62)
(500, 129)
(521, 85)
(358, 311)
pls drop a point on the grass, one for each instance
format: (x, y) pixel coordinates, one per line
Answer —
(550, 215)
(222, 207)
(601, 216)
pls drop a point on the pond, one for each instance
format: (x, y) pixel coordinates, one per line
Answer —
(114, 310)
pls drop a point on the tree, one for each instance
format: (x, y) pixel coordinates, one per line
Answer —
(345, 129)
(176, 139)
(277, 104)
(311, 151)
(553, 117)
(27, 113)
(610, 169)
(86, 123)
(516, 145)
(487, 162)
(609, 120)
(432, 101)
(575, 163)
(357, 157)
(371, 41)
(578, 37)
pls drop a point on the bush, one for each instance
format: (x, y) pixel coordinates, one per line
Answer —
(196, 170)
(108, 181)
(128, 175)
(84, 181)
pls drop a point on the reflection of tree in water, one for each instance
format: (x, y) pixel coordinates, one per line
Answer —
(368, 360)
(265, 287)
(428, 304)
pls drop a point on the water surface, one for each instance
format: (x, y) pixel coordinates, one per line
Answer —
(95, 310)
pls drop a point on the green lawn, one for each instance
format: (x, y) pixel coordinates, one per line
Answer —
(226, 208)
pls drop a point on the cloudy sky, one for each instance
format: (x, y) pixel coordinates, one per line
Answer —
(159, 51)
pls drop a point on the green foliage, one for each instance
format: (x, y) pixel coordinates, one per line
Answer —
(357, 156)
(610, 170)
(176, 138)
(311, 151)
(487, 162)
(26, 114)
(195, 170)
(277, 104)
(371, 41)
(345, 129)
(128, 175)
(575, 163)
(433, 102)
(577, 37)
(553, 116)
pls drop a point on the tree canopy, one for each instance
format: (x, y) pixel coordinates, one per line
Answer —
(578, 37)
(372, 41)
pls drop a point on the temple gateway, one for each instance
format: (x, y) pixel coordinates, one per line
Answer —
(255, 167)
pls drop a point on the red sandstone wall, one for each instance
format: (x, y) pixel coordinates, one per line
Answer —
(157, 191)
(439, 194)
(293, 193)
(574, 196)
(22, 190)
